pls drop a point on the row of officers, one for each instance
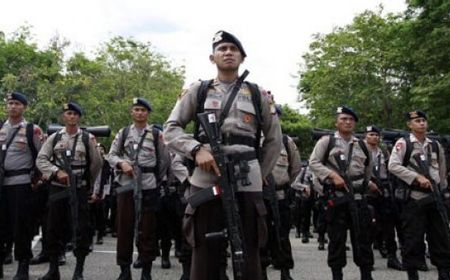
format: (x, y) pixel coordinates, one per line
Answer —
(346, 171)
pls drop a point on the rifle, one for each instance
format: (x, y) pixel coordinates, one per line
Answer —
(227, 185)
(97, 131)
(270, 194)
(353, 208)
(424, 169)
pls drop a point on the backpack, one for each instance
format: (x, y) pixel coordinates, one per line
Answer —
(256, 100)
(332, 143)
(155, 133)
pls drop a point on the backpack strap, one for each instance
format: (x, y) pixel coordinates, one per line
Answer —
(30, 136)
(331, 144)
(435, 148)
(363, 147)
(256, 100)
(125, 132)
(87, 172)
(201, 97)
(286, 146)
(409, 148)
(155, 133)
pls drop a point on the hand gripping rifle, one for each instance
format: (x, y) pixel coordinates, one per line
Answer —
(353, 208)
(424, 169)
(227, 185)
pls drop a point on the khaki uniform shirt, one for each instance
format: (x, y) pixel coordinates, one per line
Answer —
(356, 166)
(49, 157)
(146, 156)
(287, 166)
(19, 155)
(407, 173)
(241, 121)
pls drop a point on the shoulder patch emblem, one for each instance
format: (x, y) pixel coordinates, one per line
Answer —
(399, 146)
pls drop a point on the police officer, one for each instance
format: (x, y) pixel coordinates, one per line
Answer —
(284, 173)
(382, 196)
(138, 148)
(20, 142)
(77, 148)
(330, 162)
(240, 137)
(421, 214)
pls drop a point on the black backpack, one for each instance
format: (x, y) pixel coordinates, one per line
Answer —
(332, 143)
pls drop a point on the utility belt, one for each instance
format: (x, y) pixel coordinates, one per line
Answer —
(230, 139)
(12, 173)
(130, 186)
(241, 161)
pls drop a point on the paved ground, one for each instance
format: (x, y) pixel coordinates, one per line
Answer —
(310, 264)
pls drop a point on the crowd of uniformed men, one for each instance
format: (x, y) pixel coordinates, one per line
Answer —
(146, 190)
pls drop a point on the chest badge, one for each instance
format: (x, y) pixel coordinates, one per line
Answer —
(247, 118)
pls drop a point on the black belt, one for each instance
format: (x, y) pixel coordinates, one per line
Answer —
(357, 177)
(147, 169)
(229, 139)
(12, 173)
(416, 187)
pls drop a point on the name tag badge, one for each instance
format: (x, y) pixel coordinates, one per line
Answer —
(342, 157)
(4, 147)
(422, 157)
(135, 147)
(68, 153)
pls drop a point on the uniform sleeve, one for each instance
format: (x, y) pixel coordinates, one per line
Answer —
(96, 187)
(395, 165)
(369, 168)
(294, 160)
(315, 160)
(182, 114)
(38, 137)
(43, 160)
(96, 160)
(115, 156)
(442, 168)
(164, 155)
(271, 145)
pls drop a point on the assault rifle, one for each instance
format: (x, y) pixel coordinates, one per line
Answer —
(424, 169)
(228, 187)
(270, 194)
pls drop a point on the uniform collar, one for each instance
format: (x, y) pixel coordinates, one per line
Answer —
(64, 131)
(338, 136)
(146, 128)
(413, 138)
(22, 123)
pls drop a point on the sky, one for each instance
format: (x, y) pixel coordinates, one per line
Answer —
(275, 34)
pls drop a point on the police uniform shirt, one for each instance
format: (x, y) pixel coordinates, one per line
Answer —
(19, 155)
(379, 161)
(49, 157)
(408, 174)
(146, 156)
(178, 169)
(356, 167)
(241, 120)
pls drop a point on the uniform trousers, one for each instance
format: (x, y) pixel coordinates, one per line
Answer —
(207, 255)
(147, 243)
(418, 220)
(16, 221)
(338, 222)
(59, 224)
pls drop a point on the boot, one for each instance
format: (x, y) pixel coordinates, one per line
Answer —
(337, 273)
(1, 270)
(137, 263)
(40, 258)
(394, 263)
(62, 259)
(366, 273)
(22, 271)
(186, 271)
(423, 267)
(146, 272)
(264, 273)
(305, 237)
(413, 275)
(99, 239)
(8, 259)
(443, 274)
(125, 273)
(285, 275)
(321, 241)
(165, 261)
(78, 273)
(53, 271)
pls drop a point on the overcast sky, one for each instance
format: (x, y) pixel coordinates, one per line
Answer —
(274, 34)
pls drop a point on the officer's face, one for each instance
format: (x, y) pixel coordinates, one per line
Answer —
(139, 114)
(71, 118)
(227, 57)
(345, 123)
(418, 125)
(372, 138)
(15, 108)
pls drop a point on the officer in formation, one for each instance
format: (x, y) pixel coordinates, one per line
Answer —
(70, 160)
(420, 163)
(343, 164)
(20, 141)
(139, 156)
(382, 197)
(240, 129)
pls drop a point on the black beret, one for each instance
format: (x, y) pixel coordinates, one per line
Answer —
(372, 128)
(346, 110)
(139, 101)
(72, 106)
(223, 36)
(17, 96)
(415, 114)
